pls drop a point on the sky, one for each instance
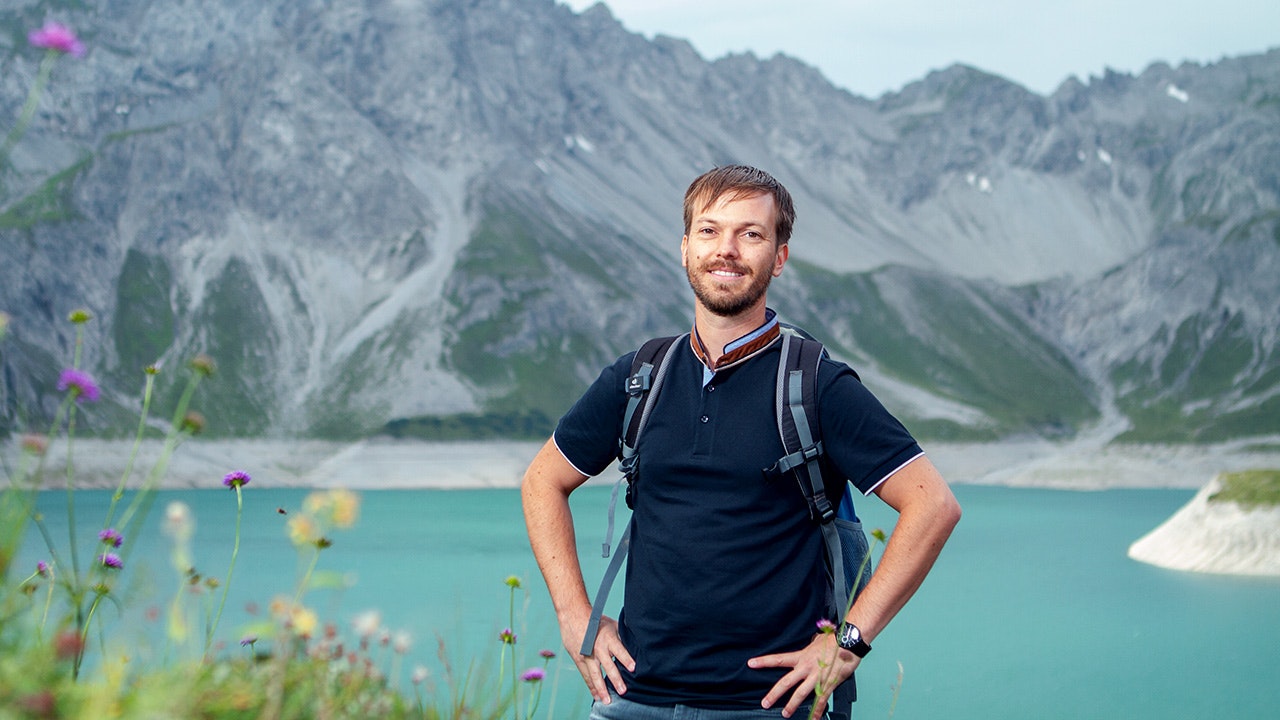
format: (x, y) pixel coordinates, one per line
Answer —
(873, 46)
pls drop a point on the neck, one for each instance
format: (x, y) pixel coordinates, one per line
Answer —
(716, 331)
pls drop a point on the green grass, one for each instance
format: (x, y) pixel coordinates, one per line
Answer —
(1249, 488)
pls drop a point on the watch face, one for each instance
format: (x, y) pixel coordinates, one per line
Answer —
(849, 635)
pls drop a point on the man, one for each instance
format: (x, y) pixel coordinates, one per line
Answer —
(725, 580)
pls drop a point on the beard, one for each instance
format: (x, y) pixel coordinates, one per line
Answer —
(719, 299)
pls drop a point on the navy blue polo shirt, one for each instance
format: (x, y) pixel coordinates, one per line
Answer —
(724, 564)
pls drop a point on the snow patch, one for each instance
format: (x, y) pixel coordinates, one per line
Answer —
(980, 182)
(1104, 156)
(1177, 93)
(577, 141)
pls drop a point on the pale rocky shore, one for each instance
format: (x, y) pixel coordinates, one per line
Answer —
(397, 464)
(1215, 537)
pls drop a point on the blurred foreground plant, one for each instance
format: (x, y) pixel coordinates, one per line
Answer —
(292, 665)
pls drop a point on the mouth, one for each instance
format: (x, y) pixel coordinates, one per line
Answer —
(727, 273)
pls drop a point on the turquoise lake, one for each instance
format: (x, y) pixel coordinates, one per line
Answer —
(1033, 611)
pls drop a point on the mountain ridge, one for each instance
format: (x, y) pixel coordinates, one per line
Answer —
(373, 212)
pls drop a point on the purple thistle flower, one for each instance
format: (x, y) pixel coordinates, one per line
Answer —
(534, 674)
(547, 654)
(111, 560)
(58, 37)
(111, 537)
(507, 636)
(80, 383)
(42, 568)
(826, 626)
(248, 640)
(236, 479)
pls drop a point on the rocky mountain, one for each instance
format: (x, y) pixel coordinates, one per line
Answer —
(442, 217)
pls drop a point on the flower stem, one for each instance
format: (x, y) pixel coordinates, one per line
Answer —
(133, 453)
(29, 107)
(226, 584)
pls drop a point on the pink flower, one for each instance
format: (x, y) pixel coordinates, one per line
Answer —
(534, 674)
(235, 479)
(507, 636)
(80, 383)
(58, 37)
(111, 561)
(547, 654)
(826, 626)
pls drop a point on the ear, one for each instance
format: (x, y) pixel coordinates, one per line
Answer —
(684, 251)
(780, 258)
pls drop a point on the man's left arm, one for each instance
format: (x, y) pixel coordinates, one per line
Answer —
(927, 513)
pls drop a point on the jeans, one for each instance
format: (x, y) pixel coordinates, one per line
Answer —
(622, 709)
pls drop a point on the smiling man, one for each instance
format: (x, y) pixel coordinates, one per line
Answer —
(726, 581)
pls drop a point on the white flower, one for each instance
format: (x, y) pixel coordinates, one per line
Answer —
(367, 623)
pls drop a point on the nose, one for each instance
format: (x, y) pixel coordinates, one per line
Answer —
(727, 246)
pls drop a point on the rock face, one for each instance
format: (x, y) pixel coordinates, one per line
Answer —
(1215, 537)
(370, 212)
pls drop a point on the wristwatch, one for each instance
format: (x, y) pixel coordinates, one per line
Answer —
(850, 638)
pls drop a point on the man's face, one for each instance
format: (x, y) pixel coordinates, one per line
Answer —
(731, 253)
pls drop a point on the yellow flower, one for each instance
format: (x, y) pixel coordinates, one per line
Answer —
(345, 507)
(303, 621)
(339, 508)
(303, 530)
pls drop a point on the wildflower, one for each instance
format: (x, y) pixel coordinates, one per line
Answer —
(303, 621)
(59, 38)
(68, 645)
(42, 569)
(152, 369)
(303, 530)
(80, 383)
(248, 641)
(42, 704)
(420, 674)
(79, 316)
(238, 478)
(400, 642)
(513, 582)
(547, 654)
(507, 636)
(826, 626)
(203, 364)
(111, 561)
(533, 675)
(193, 422)
(340, 507)
(35, 444)
(179, 523)
(367, 623)
(878, 534)
(111, 537)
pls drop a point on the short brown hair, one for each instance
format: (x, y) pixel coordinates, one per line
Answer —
(739, 181)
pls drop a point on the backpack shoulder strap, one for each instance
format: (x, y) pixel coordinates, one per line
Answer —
(648, 369)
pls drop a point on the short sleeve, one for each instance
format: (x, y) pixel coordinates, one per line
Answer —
(862, 438)
(587, 435)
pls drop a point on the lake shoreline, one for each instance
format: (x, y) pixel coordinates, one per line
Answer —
(385, 463)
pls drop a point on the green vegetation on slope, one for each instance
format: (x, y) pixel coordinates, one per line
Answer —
(1249, 488)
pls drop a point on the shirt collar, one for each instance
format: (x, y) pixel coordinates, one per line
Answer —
(738, 351)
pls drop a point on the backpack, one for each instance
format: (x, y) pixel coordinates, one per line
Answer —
(847, 555)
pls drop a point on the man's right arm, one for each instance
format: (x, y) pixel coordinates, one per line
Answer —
(545, 493)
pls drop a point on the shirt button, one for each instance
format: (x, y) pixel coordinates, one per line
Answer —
(704, 419)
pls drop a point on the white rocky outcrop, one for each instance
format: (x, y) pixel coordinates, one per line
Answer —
(1215, 537)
